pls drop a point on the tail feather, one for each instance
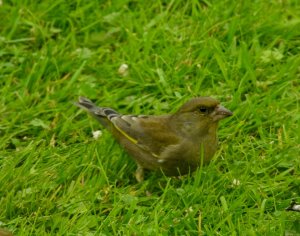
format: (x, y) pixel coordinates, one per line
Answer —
(103, 114)
(85, 103)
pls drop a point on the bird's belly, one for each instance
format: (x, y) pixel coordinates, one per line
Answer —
(187, 158)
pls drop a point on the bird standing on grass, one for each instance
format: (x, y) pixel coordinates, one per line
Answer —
(176, 144)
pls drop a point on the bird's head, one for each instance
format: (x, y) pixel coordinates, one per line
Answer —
(207, 107)
(200, 114)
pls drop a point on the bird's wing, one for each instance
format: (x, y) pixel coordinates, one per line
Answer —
(151, 133)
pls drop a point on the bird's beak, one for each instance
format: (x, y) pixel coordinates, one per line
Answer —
(220, 113)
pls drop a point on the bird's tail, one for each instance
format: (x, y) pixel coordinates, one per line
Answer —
(103, 114)
(87, 104)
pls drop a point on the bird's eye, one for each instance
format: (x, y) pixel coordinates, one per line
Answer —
(203, 109)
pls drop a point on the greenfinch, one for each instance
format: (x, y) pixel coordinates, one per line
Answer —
(4, 232)
(176, 144)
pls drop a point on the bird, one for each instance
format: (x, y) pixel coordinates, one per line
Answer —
(176, 144)
(5, 232)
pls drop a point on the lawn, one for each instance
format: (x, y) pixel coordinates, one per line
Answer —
(56, 179)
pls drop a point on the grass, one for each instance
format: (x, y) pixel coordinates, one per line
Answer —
(57, 180)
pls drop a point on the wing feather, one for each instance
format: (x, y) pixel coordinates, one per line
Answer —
(145, 132)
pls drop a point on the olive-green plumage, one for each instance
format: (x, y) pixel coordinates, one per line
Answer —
(175, 144)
